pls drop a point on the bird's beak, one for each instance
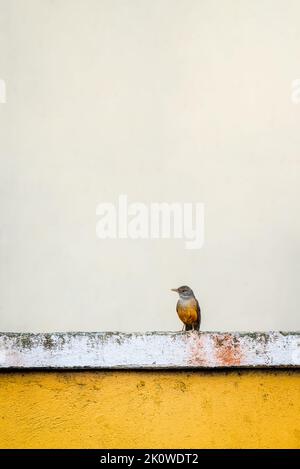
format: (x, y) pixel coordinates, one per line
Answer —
(174, 289)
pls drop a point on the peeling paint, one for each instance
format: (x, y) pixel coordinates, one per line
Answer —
(228, 351)
(149, 350)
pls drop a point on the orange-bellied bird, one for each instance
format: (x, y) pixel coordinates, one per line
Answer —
(188, 308)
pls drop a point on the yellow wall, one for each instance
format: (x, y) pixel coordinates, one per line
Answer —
(128, 409)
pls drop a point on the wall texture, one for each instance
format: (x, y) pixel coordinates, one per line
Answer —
(151, 350)
(166, 101)
(140, 402)
(161, 409)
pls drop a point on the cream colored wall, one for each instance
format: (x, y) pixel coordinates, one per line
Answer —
(163, 101)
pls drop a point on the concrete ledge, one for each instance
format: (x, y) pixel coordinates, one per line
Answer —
(150, 350)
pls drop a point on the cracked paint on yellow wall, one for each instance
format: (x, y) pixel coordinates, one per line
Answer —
(151, 409)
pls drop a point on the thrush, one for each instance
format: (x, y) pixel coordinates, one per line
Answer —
(188, 308)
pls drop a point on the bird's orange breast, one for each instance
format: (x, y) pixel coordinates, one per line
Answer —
(187, 312)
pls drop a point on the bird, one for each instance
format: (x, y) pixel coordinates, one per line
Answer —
(188, 308)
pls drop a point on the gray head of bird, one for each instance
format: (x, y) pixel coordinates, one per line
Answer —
(184, 292)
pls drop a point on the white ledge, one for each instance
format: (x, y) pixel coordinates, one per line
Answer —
(150, 350)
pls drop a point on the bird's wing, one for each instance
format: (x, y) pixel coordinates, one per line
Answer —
(198, 313)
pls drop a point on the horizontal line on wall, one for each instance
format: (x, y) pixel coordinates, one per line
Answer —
(149, 350)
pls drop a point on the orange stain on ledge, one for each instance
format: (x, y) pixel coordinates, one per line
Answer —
(228, 351)
(217, 350)
(197, 349)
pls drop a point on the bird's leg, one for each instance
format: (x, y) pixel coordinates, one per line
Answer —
(183, 328)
